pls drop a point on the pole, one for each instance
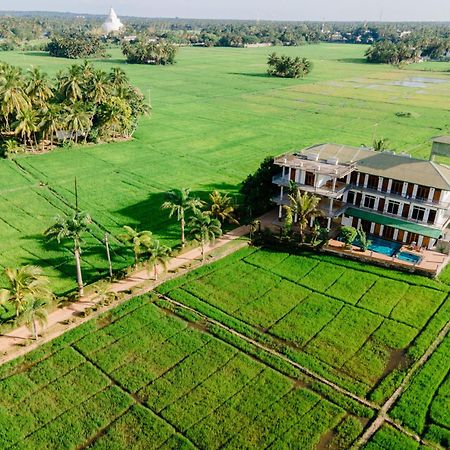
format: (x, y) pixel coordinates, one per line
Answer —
(76, 195)
(108, 255)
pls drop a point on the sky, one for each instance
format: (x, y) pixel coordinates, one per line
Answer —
(321, 10)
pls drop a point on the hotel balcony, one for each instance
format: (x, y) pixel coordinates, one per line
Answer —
(328, 207)
(400, 198)
(325, 190)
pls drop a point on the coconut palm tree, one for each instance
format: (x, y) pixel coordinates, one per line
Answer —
(119, 80)
(70, 83)
(27, 125)
(38, 88)
(303, 207)
(180, 202)
(14, 99)
(26, 284)
(51, 121)
(158, 254)
(35, 313)
(221, 207)
(141, 241)
(204, 229)
(78, 119)
(72, 227)
(99, 89)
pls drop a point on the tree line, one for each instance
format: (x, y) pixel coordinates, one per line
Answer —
(81, 104)
(408, 50)
(28, 290)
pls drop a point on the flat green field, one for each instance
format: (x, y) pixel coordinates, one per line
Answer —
(215, 116)
(359, 326)
(151, 374)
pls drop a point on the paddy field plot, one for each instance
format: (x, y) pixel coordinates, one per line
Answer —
(360, 326)
(141, 377)
(215, 116)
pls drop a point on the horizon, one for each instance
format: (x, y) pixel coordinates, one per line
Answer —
(285, 10)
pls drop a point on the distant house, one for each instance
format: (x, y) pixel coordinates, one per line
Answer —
(393, 196)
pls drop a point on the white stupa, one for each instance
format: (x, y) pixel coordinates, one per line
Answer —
(112, 23)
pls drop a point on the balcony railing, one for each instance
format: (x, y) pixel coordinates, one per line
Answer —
(325, 190)
(399, 197)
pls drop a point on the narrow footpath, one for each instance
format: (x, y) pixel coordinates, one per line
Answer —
(12, 343)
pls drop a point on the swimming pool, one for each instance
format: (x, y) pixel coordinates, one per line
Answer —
(384, 246)
(408, 257)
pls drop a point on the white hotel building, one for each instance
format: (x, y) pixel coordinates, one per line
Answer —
(393, 196)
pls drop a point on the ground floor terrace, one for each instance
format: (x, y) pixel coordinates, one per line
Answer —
(394, 243)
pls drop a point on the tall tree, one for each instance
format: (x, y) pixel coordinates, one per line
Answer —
(78, 119)
(35, 313)
(25, 285)
(158, 254)
(38, 88)
(27, 125)
(221, 207)
(303, 207)
(180, 202)
(204, 229)
(72, 227)
(141, 242)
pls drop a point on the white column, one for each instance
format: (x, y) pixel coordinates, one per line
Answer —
(329, 223)
(395, 235)
(366, 180)
(426, 216)
(380, 183)
(431, 194)
(347, 179)
(372, 228)
(289, 173)
(420, 241)
(381, 230)
(283, 171)
(281, 193)
(404, 188)
(405, 236)
(358, 178)
(359, 223)
(363, 198)
(311, 222)
(386, 201)
(400, 209)
(331, 207)
(414, 192)
(411, 207)
(302, 176)
(377, 203)
(280, 212)
(389, 187)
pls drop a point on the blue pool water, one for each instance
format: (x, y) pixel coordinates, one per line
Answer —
(408, 257)
(384, 246)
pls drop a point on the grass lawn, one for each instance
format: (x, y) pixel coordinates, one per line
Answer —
(215, 116)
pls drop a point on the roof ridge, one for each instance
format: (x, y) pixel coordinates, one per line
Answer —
(438, 168)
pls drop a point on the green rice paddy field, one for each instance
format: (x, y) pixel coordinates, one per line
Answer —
(215, 117)
(151, 374)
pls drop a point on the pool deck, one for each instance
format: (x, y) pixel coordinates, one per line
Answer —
(431, 262)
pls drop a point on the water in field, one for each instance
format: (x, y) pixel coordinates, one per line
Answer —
(418, 82)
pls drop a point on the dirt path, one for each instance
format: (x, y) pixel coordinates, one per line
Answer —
(382, 415)
(12, 343)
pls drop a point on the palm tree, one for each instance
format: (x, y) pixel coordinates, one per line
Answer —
(141, 241)
(35, 313)
(204, 229)
(180, 203)
(51, 121)
(221, 207)
(158, 254)
(70, 83)
(118, 79)
(14, 99)
(303, 207)
(27, 125)
(78, 119)
(99, 87)
(72, 228)
(26, 284)
(38, 88)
